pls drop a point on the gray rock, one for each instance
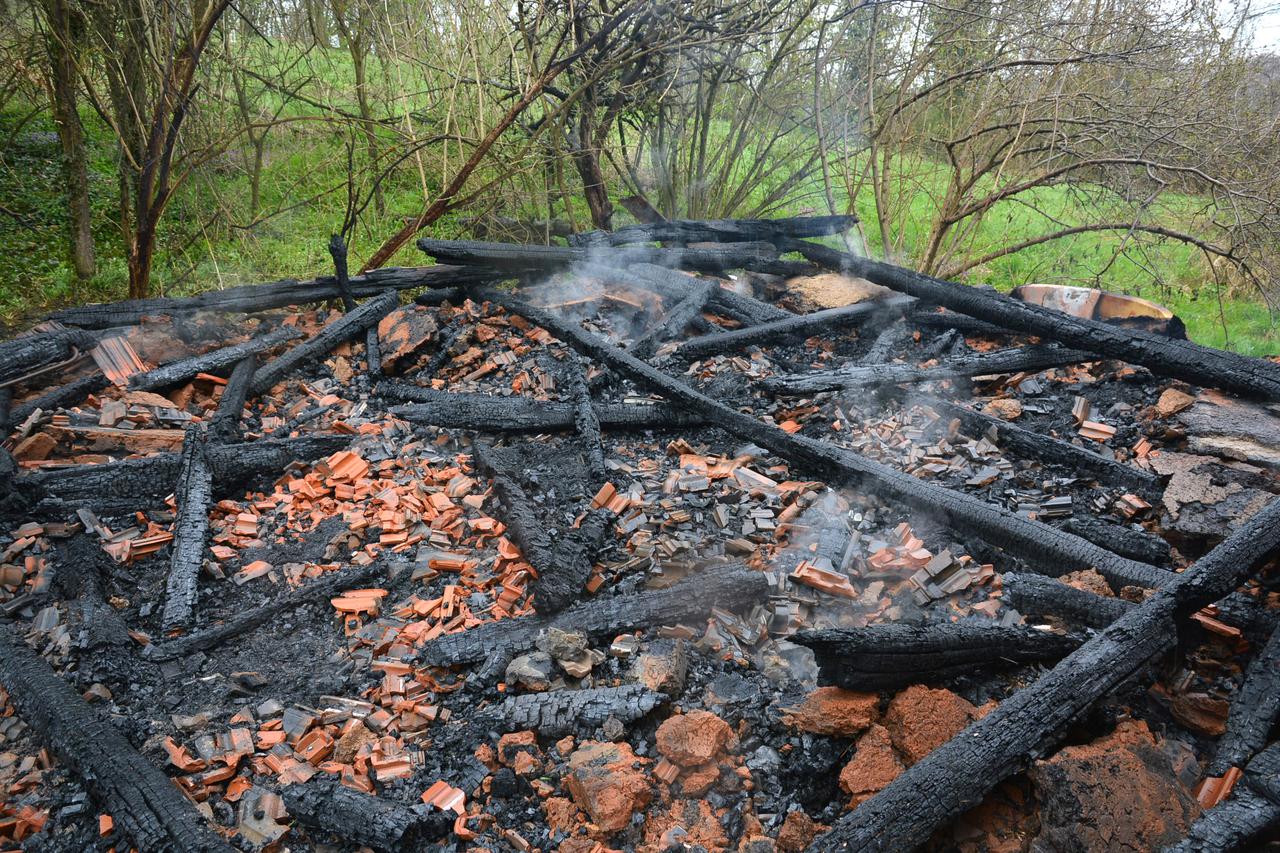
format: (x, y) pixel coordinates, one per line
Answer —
(532, 671)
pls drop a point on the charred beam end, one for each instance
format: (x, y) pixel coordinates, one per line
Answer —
(210, 362)
(521, 414)
(1037, 542)
(718, 230)
(1252, 809)
(78, 576)
(193, 493)
(958, 774)
(224, 427)
(585, 420)
(514, 258)
(328, 806)
(347, 327)
(1052, 450)
(562, 712)
(62, 396)
(1125, 541)
(1037, 595)
(318, 590)
(673, 284)
(1015, 360)
(1253, 711)
(28, 353)
(1250, 377)
(145, 803)
(679, 317)
(889, 657)
(729, 586)
(803, 324)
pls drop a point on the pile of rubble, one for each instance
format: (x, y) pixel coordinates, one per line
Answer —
(628, 558)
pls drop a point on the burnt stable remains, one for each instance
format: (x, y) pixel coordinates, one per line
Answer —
(686, 536)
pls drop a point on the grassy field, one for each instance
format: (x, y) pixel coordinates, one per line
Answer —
(200, 251)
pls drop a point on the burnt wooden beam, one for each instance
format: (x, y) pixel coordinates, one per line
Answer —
(343, 329)
(1014, 360)
(1048, 449)
(1215, 368)
(556, 713)
(252, 298)
(209, 362)
(145, 803)
(1037, 595)
(225, 423)
(1124, 540)
(38, 351)
(1038, 543)
(338, 251)
(1252, 808)
(328, 806)
(489, 413)
(78, 577)
(313, 592)
(891, 340)
(889, 657)
(718, 230)
(830, 319)
(59, 397)
(670, 283)
(445, 349)
(585, 420)
(689, 600)
(516, 258)
(927, 317)
(678, 318)
(193, 493)
(1253, 713)
(957, 775)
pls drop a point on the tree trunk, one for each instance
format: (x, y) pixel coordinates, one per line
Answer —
(65, 31)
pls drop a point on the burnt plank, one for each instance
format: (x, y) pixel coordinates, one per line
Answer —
(194, 493)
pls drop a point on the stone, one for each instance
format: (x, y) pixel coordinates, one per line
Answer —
(662, 667)
(693, 738)
(834, 711)
(797, 832)
(1117, 793)
(1006, 409)
(873, 766)
(532, 671)
(605, 782)
(920, 719)
(563, 645)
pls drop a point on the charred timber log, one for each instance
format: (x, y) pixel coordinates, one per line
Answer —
(78, 576)
(672, 287)
(1055, 452)
(316, 591)
(585, 420)
(670, 283)
(338, 251)
(679, 317)
(958, 774)
(6, 410)
(1037, 595)
(252, 298)
(60, 397)
(1035, 541)
(1253, 711)
(447, 349)
(132, 484)
(889, 657)
(563, 562)
(521, 414)
(891, 340)
(347, 327)
(193, 493)
(930, 318)
(38, 351)
(1215, 368)
(1015, 360)
(363, 819)
(729, 586)
(210, 362)
(831, 319)
(525, 259)
(224, 427)
(563, 712)
(1252, 809)
(1125, 541)
(718, 230)
(144, 802)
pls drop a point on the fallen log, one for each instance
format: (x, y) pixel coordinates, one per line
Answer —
(1014, 360)
(224, 426)
(717, 230)
(522, 414)
(60, 397)
(343, 329)
(193, 493)
(124, 487)
(210, 362)
(145, 803)
(1207, 366)
(1253, 713)
(38, 351)
(831, 319)
(1037, 595)
(1125, 541)
(957, 775)
(556, 713)
(1036, 542)
(677, 319)
(1052, 450)
(363, 819)
(252, 298)
(1252, 808)
(892, 656)
(319, 590)
(523, 259)
(728, 586)
(674, 284)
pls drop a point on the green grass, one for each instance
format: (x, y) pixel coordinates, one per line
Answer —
(200, 248)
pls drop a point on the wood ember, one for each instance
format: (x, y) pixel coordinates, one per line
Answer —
(409, 635)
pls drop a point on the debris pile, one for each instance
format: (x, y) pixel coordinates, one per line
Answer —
(647, 553)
